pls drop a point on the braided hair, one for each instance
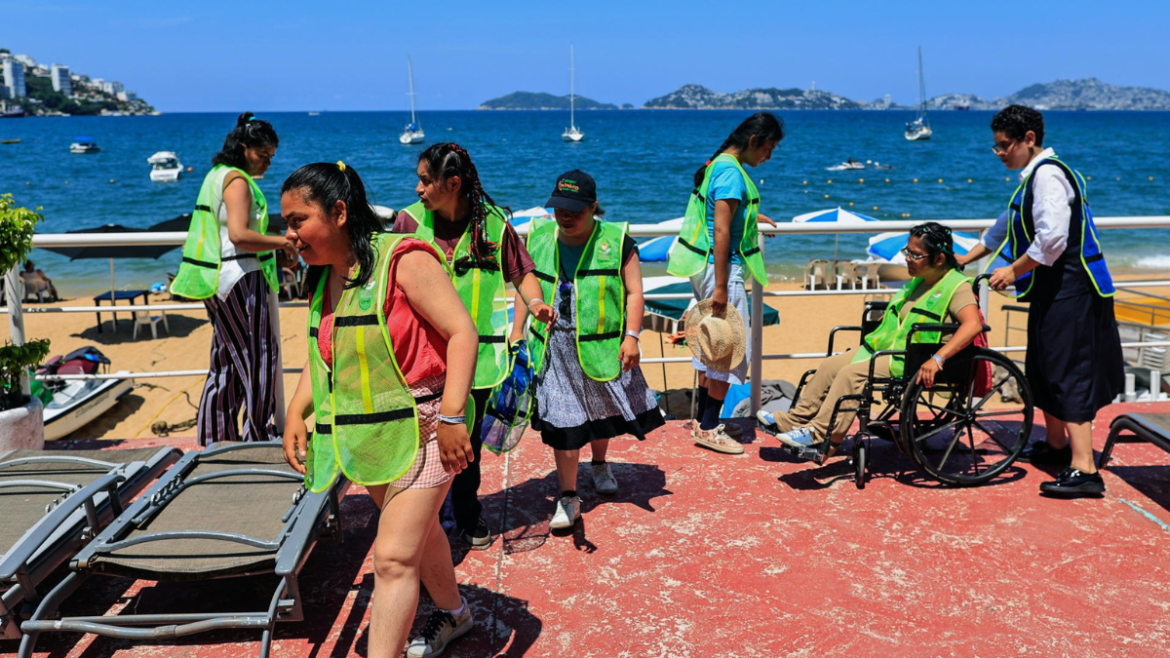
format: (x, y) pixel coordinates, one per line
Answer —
(938, 240)
(326, 183)
(764, 126)
(249, 132)
(446, 160)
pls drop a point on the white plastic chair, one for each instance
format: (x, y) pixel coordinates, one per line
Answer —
(145, 319)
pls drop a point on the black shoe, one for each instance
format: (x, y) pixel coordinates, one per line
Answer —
(1071, 481)
(1041, 453)
(479, 536)
(816, 453)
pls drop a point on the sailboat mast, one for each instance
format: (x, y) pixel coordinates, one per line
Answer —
(921, 85)
(410, 77)
(572, 99)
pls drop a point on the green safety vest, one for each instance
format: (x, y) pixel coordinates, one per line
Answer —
(891, 334)
(198, 276)
(366, 420)
(690, 253)
(600, 293)
(482, 290)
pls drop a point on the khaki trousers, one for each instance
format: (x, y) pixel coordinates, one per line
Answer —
(835, 377)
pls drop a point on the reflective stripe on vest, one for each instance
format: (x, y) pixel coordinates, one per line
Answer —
(692, 250)
(893, 331)
(1021, 231)
(198, 275)
(366, 420)
(599, 290)
(481, 287)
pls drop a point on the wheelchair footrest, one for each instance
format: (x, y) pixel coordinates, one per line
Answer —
(811, 453)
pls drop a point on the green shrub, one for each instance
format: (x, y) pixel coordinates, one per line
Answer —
(16, 234)
(15, 360)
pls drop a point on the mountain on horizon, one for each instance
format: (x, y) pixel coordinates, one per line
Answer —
(1084, 94)
(527, 100)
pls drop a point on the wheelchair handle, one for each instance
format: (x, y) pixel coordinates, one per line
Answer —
(976, 282)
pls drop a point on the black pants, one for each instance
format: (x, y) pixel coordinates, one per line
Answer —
(465, 485)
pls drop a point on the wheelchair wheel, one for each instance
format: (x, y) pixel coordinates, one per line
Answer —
(860, 461)
(961, 435)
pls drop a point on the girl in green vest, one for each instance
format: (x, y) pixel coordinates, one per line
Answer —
(717, 248)
(228, 262)
(936, 289)
(391, 361)
(589, 388)
(460, 218)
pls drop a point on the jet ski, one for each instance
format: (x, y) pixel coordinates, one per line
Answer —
(77, 402)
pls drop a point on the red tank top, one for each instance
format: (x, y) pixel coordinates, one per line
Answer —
(420, 350)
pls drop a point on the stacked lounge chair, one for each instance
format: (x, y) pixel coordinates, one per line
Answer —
(235, 509)
(51, 503)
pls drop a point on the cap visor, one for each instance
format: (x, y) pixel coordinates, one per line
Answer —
(565, 203)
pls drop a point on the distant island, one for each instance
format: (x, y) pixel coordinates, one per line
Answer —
(1086, 94)
(527, 100)
(37, 89)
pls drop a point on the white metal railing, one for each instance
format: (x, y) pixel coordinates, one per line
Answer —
(15, 311)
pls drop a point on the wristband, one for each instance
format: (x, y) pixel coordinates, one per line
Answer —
(634, 334)
(529, 302)
(453, 420)
(941, 361)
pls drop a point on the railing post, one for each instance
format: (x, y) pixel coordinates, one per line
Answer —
(757, 371)
(274, 321)
(16, 315)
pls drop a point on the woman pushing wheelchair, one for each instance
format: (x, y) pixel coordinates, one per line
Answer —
(936, 293)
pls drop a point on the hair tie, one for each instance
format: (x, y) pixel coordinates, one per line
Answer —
(251, 119)
(341, 166)
(708, 163)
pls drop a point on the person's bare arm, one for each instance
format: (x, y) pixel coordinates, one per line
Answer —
(969, 327)
(296, 432)
(237, 198)
(724, 212)
(528, 287)
(979, 251)
(519, 317)
(429, 291)
(631, 353)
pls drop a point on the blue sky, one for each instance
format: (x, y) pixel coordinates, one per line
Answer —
(298, 55)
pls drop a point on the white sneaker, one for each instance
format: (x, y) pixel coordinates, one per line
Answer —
(603, 480)
(440, 630)
(567, 513)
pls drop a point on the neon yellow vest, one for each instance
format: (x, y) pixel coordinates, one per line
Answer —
(482, 291)
(366, 420)
(931, 308)
(198, 276)
(690, 253)
(600, 293)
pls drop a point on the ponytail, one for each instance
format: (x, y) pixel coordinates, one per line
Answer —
(446, 160)
(764, 126)
(249, 132)
(324, 184)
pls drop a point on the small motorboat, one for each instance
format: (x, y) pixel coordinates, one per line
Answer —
(848, 165)
(164, 167)
(78, 402)
(83, 145)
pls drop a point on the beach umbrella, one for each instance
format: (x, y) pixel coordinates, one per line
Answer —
(522, 217)
(675, 309)
(125, 251)
(657, 250)
(833, 216)
(888, 246)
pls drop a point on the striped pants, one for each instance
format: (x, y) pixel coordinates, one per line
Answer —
(244, 366)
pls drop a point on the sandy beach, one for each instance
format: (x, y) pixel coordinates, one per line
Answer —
(804, 327)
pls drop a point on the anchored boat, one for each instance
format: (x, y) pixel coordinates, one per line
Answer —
(78, 402)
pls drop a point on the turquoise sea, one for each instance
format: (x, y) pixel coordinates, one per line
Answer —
(642, 160)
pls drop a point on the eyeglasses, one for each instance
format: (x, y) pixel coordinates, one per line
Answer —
(910, 255)
(1002, 147)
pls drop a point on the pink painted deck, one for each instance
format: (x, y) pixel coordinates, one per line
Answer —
(704, 554)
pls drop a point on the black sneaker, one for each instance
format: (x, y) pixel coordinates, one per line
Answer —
(1072, 482)
(440, 630)
(1041, 453)
(479, 536)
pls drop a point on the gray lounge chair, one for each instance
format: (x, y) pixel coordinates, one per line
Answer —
(1154, 428)
(234, 509)
(51, 503)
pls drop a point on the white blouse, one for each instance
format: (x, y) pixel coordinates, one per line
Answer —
(1052, 199)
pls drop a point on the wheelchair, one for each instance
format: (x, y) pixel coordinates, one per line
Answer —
(963, 431)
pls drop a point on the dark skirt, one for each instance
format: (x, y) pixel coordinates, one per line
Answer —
(575, 438)
(1074, 363)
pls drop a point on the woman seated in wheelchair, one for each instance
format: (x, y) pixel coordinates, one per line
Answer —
(937, 292)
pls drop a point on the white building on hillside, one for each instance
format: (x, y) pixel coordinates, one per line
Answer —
(61, 81)
(112, 87)
(26, 60)
(13, 76)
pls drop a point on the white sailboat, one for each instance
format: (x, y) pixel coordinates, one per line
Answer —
(919, 129)
(572, 133)
(413, 133)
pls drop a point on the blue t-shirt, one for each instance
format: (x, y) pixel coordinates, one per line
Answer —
(727, 183)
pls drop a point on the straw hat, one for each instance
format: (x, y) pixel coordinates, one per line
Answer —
(718, 342)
